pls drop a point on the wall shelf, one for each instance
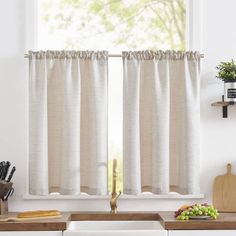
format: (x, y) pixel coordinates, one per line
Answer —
(224, 106)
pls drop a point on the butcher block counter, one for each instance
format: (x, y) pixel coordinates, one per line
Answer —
(54, 224)
(226, 221)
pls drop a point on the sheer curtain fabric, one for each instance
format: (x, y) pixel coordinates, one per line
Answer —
(161, 110)
(68, 122)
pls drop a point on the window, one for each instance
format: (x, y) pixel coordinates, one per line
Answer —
(113, 25)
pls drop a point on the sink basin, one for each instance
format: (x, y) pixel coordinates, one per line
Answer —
(115, 228)
(114, 225)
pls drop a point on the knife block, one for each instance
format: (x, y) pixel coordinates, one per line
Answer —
(3, 207)
(5, 187)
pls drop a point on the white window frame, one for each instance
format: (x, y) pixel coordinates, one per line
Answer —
(193, 42)
(194, 20)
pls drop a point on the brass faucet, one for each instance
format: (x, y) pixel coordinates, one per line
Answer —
(114, 194)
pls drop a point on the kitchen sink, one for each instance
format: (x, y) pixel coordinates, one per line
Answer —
(122, 224)
(116, 228)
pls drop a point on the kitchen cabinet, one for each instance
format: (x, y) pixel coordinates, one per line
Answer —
(31, 233)
(201, 232)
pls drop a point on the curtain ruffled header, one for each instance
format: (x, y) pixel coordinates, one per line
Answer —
(161, 55)
(92, 55)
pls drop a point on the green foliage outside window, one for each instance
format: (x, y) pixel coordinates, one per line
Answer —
(123, 24)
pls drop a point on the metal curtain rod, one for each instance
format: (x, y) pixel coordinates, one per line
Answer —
(119, 55)
(113, 55)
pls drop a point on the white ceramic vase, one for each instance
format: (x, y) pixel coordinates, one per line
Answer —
(230, 91)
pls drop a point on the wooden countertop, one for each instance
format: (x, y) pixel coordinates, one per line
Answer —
(224, 221)
(119, 216)
(54, 224)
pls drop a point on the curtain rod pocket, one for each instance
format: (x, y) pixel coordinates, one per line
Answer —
(110, 55)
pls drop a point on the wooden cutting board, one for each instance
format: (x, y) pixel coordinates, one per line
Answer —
(16, 219)
(224, 192)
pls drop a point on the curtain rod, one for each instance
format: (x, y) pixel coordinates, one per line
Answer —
(112, 55)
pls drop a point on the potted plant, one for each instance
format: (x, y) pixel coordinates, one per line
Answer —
(227, 73)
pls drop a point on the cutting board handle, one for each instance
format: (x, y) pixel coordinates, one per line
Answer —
(229, 167)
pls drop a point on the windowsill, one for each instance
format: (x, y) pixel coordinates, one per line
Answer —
(105, 197)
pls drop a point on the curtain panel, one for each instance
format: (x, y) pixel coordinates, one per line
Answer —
(68, 122)
(161, 122)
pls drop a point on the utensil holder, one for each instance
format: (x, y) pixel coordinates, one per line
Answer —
(5, 187)
(3, 207)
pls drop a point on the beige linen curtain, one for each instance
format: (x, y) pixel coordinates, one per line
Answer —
(68, 122)
(161, 122)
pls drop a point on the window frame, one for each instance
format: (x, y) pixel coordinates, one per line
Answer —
(193, 42)
(194, 22)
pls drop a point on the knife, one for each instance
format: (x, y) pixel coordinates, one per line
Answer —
(2, 169)
(4, 174)
(11, 173)
(1, 165)
(9, 193)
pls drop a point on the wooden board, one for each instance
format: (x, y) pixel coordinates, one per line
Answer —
(16, 219)
(224, 192)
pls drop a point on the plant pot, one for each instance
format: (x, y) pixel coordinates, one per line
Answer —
(230, 91)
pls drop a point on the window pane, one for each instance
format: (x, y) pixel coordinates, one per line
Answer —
(115, 114)
(113, 25)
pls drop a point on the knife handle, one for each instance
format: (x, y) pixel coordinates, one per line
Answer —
(11, 174)
(7, 165)
(2, 169)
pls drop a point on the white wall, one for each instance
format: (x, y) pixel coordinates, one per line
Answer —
(218, 44)
(218, 140)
